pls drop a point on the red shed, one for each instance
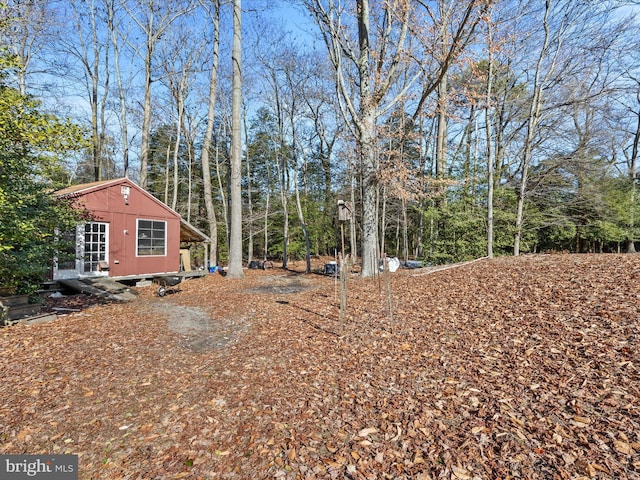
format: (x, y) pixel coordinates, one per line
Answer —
(131, 233)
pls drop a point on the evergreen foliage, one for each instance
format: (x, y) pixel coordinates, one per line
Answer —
(31, 145)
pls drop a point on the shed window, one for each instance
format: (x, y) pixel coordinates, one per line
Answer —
(152, 238)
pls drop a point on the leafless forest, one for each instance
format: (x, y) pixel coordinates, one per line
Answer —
(453, 129)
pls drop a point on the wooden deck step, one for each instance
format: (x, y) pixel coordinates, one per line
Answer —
(22, 311)
(15, 307)
(14, 300)
(42, 318)
(33, 319)
(103, 288)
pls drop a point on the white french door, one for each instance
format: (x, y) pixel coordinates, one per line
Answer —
(95, 248)
(91, 247)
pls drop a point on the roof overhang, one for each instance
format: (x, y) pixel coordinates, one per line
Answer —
(190, 234)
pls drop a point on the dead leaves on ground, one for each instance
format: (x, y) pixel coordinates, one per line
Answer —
(510, 368)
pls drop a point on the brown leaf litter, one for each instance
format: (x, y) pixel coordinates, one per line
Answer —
(513, 368)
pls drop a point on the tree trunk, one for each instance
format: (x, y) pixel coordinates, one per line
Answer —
(294, 159)
(146, 105)
(353, 237)
(206, 142)
(113, 29)
(383, 218)
(265, 252)
(249, 198)
(532, 123)
(189, 175)
(441, 136)
(284, 192)
(223, 195)
(167, 169)
(235, 243)
(307, 243)
(176, 149)
(283, 173)
(367, 135)
(405, 231)
(633, 175)
(490, 159)
(369, 194)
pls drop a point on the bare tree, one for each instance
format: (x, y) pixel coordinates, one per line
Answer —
(235, 243)
(113, 26)
(533, 118)
(489, 136)
(296, 87)
(179, 54)
(153, 18)
(633, 174)
(559, 21)
(363, 111)
(221, 140)
(632, 109)
(93, 54)
(250, 233)
(323, 111)
(274, 60)
(213, 13)
(24, 34)
(376, 72)
(446, 11)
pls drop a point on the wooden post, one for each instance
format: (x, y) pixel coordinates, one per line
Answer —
(344, 215)
(344, 270)
(387, 289)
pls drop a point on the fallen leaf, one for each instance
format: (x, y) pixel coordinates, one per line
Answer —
(461, 473)
(367, 431)
(331, 448)
(623, 447)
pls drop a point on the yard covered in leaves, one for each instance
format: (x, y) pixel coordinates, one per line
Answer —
(508, 368)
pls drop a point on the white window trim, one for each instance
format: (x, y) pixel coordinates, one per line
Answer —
(138, 238)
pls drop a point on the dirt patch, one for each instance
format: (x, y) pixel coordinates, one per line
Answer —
(282, 285)
(201, 330)
(198, 330)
